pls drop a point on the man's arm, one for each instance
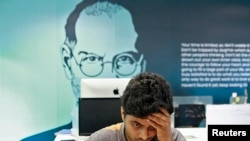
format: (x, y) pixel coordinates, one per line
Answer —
(162, 123)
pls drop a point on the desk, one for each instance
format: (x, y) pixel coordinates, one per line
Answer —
(194, 134)
(191, 134)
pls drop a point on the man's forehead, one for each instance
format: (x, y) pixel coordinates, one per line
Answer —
(140, 120)
(134, 118)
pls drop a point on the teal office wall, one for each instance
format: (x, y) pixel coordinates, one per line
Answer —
(35, 95)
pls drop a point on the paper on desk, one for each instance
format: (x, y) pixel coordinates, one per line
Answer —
(63, 132)
(234, 114)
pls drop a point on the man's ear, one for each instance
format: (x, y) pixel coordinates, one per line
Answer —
(122, 113)
(66, 55)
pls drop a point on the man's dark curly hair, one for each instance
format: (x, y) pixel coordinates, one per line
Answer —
(145, 94)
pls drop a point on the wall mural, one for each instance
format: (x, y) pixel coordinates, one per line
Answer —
(201, 47)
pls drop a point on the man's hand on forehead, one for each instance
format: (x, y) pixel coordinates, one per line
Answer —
(161, 121)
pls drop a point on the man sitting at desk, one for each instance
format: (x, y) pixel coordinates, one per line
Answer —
(147, 104)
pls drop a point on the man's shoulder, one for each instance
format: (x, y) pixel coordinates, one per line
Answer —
(110, 133)
(114, 127)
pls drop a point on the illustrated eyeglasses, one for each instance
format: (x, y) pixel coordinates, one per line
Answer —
(123, 64)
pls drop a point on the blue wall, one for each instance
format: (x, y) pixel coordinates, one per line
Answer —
(36, 95)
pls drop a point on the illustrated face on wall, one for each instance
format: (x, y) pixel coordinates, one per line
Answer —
(105, 45)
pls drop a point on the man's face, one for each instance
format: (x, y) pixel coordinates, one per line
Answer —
(138, 129)
(105, 48)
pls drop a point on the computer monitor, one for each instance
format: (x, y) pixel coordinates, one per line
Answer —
(103, 87)
(97, 113)
(99, 104)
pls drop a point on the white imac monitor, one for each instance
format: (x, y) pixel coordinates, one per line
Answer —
(99, 103)
(103, 87)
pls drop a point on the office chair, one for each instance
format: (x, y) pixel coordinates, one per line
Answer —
(190, 115)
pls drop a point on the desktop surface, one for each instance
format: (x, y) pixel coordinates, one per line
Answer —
(191, 134)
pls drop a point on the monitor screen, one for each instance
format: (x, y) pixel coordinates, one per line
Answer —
(97, 113)
(103, 87)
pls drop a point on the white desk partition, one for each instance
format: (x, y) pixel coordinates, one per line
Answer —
(231, 114)
(192, 100)
(194, 134)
